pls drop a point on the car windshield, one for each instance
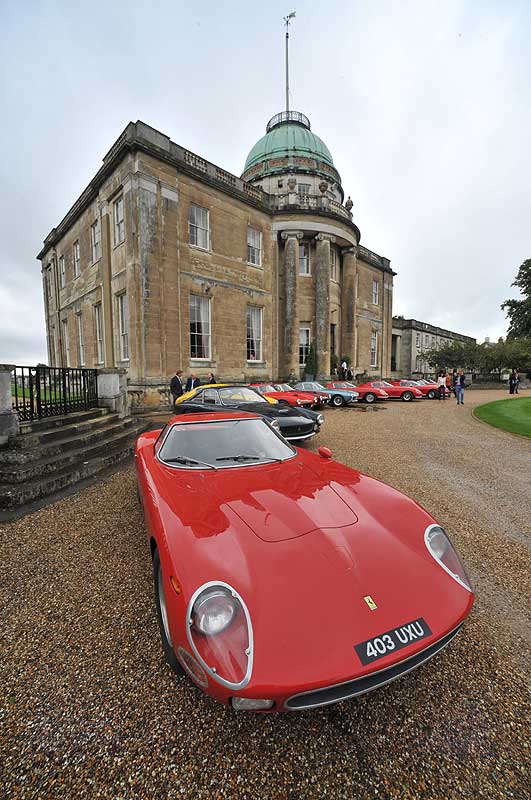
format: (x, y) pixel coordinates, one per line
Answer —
(283, 387)
(223, 443)
(239, 394)
(266, 387)
(384, 383)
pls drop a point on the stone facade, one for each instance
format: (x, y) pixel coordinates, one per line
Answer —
(411, 338)
(151, 271)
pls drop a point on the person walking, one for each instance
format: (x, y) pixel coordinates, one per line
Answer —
(513, 382)
(192, 382)
(460, 389)
(343, 370)
(441, 384)
(176, 386)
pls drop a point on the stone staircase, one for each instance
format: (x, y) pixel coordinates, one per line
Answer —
(51, 456)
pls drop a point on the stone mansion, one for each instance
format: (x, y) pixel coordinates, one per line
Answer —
(167, 261)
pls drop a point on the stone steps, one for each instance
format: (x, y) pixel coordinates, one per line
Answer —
(51, 460)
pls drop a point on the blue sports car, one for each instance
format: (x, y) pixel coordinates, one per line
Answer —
(336, 397)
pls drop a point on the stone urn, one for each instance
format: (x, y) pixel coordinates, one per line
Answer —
(292, 183)
(323, 186)
(349, 204)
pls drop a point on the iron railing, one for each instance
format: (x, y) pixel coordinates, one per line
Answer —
(39, 392)
(288, 116)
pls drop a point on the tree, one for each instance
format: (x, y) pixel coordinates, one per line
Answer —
(519, 311)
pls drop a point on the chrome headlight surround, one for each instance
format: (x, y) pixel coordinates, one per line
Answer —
(249, 652)
(320, 419)
(440, 548)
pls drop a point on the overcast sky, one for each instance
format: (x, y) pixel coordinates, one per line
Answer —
(425, 107)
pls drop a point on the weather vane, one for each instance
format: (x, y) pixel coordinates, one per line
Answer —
(287, 21)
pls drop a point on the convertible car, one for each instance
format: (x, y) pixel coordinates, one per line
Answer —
(284, 580)
(294, 424)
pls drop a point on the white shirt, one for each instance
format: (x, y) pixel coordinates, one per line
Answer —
(441, 380)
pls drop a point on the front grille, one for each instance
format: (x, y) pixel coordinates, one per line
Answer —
(344, 691)
(292, 430)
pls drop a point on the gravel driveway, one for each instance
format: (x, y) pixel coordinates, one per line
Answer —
(89, 709)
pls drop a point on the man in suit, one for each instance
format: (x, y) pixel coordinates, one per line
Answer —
(192, 382)
(176, 385)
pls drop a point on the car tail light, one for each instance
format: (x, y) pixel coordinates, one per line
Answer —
(220, 634)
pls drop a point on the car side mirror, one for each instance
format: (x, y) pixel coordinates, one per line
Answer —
(325, 452)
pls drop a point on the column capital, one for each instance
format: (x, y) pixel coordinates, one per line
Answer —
(292, 235)
(348, 251)
(325, 237)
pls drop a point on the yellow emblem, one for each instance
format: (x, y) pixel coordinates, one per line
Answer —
(370, 602)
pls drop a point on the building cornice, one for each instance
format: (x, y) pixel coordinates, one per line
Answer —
(426, 327)
(139, 137)
(379, 262)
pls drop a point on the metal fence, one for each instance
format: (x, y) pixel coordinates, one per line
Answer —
(39, 392)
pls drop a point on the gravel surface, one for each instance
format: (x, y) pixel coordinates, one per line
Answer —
(90, 710)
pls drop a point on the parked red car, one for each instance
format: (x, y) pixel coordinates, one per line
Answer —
(430, 390)
(320, 398)
(367, 394)
(406, 393)
(284, 580)
(293, 398)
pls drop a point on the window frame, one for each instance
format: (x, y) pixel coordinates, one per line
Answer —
(123, 325)
(375, 291)
(118, 224)
(198, 227)
(80, 339)
(76, 258)
(306, 189)
(99, 333)
(308, 273)
(62, 272)
(251, 247)
(334, 271)
(304, 346)
(208, 335)
(64, 337)
(374, 360)
(95, 242)
(248, 339)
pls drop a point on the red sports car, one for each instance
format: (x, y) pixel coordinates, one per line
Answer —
(290, 396)
(406, 393)
(367, 394)
(284, 580)
(430, 390)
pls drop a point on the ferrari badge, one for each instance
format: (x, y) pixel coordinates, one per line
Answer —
(370, 602)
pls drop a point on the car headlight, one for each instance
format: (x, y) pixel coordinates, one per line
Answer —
(274, 424)
(213, 611)
(320, 419)
(442, 550)
(298, 401)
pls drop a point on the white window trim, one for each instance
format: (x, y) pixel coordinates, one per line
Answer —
(117, 223)
(123, 329)
(334, 261)
(259, 232)
(64, 336)
(209, 357)
(375, 360)
(208, 248)
(99, 330)
(260, 360)
(76, 261)
(304, 328)
(80, 339)
(95, 256)
(375, 286)
(309, 273)
(62, 272)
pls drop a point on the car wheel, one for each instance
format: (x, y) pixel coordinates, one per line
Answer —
(162, 615)
(407, 397)
(338, 401)
(369, 397)
(432, 394)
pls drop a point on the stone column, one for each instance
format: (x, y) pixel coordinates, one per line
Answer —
(9, 425)
(348, 306)
(112, 391)
(322, 304)
(289, 346)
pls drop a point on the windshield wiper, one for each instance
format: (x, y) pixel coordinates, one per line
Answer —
(244, 457)
(185, 460)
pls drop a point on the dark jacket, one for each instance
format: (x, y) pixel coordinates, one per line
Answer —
(176, 387)
(191, 384)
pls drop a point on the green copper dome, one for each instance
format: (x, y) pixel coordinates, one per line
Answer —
(288, 135)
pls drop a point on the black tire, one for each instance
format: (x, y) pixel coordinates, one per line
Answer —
(407, 397)
(338, 401)
(432, 394)
(369, 397)
(160, 605)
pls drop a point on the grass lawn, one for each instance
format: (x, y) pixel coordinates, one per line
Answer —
(509, 415)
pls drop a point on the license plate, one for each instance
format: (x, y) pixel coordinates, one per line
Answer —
(395, 639)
